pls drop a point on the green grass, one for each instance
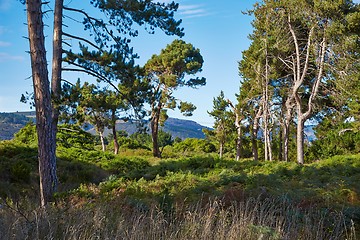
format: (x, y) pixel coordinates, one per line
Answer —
(148, 190)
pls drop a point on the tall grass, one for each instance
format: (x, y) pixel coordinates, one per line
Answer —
(254, 218)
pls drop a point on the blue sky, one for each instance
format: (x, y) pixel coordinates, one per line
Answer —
(217, 28)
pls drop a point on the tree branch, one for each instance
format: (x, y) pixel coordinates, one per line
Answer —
(83, 39)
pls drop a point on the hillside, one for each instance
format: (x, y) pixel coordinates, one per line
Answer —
(10, 123)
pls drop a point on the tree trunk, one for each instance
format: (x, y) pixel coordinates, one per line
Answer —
(154, 124)
(300, 141)
(154, 135)
(113, 121)
(101, 134)
(266, 112)
(116, 142)
(221, 150)
(238, 144)
(254, 133)
(56, 65)
(280, 156)
(42, 97)
(286, 128)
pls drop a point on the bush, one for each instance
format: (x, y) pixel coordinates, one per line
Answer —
(27, 135)
(191, 145)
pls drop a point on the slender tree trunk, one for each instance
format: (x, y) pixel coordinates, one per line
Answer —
(116, 142)
(221, 149)
(300, 141)
(286, 128)
(238, 144)
(42, 97)
(281, 125)
(113, 127)
(154, 124)
(56, 63)
(154, 136)
(103, 146)
(254, 133)
(268, 140)
(266, 112)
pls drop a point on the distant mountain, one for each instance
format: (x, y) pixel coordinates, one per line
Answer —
(11, 123)
(176, 127)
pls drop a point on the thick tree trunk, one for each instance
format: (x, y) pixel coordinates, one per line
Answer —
(42, 97)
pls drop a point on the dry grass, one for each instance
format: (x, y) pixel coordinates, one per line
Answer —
(255, 218)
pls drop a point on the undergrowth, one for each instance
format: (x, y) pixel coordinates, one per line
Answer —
(136, 196)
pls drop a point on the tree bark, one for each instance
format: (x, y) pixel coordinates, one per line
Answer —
(42, 97)
(154, 124)
(103, 146)
(266, 108)
(154, 136)
(286, 128)
(254, 132)
(116, 142)
(221, 149)
(113, 127)
(56, 65)
(300, 141)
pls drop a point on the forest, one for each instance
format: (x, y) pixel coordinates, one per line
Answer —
(255, 175)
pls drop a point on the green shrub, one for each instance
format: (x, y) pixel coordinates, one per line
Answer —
(27, 134)
(20, 171)
(70, 135)
(191, 145)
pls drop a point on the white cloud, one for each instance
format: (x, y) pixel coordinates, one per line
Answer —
(7, 57)
(191, 11)
(4, 44)
(164, 1)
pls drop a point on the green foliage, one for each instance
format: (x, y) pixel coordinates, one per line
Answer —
(27, 135)
(70, 135)
(194, 145)
(333, 140)
(133, 168)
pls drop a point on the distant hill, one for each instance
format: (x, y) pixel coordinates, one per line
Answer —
(11, 123)
(177, 127)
